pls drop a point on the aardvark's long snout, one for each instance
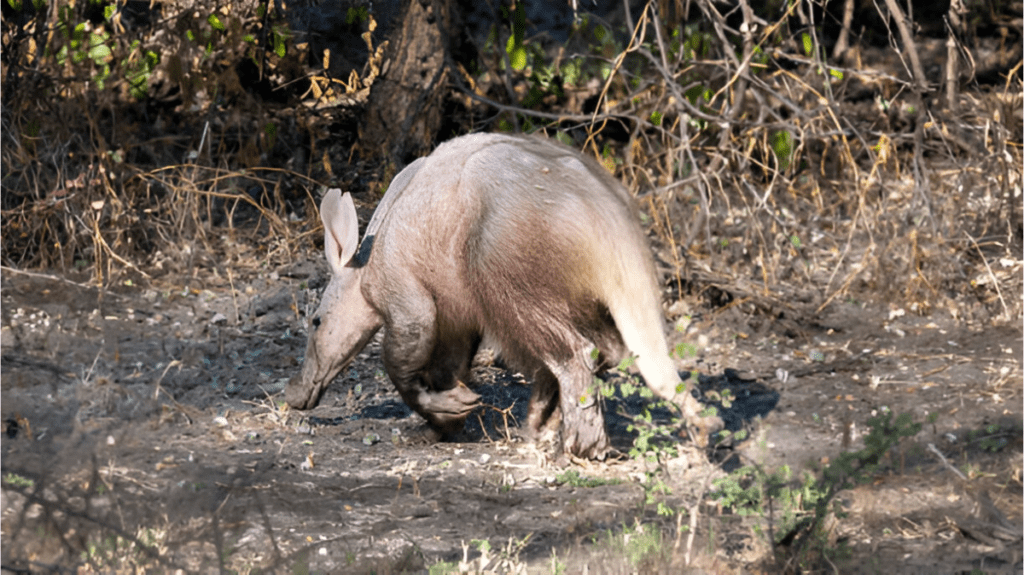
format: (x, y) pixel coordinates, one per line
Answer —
(301, 396)
(305, 389)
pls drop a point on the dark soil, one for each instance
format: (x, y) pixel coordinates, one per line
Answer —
(144, 427)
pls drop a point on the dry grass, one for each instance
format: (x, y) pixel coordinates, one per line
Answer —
(100, 185)
(760, 177)
(780, 190)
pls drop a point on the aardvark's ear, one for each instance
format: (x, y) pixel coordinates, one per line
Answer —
(341, 229)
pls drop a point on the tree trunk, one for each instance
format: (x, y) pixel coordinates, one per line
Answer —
(843, 42)
(954, 28)
(404, 111)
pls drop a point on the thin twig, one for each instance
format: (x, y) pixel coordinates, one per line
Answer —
(59, 279)
(548, 116)
(945, 462)
(694, 512)
(234, 299)
(995, 282)
(920, 81)
(156, 386)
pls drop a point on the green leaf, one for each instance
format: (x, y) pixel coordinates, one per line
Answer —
(808, 44)
(686, 350)
(695, 93)
(215, 22)
(782, 145)
(77, 35)
(571, 71)
(279, 45)
(101, 77)
(137, 73)
(356, 15)
(99, 51)
(518, 58)
(656, 118)
(108, 11)
(608, 391)
(18, 480)
(270, 129)
(514, 46)
(516, 54)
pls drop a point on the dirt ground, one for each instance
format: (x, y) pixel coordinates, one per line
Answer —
(143, 428)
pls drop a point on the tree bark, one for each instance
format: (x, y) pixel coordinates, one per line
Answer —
(954, 27)
(843, 42)
(404, 111)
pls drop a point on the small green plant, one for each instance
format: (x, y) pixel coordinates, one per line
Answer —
(506, 560)
(643, 546)
(18, 480)
(992, 438)
(655, 442)
(82, 44)
(686, 350)
(557, 567)
(357, 16)
(548, 80)
(798, 511)
(444, 568)
(573, 478)
(120, 554)
(689, 42)
(782, 145)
